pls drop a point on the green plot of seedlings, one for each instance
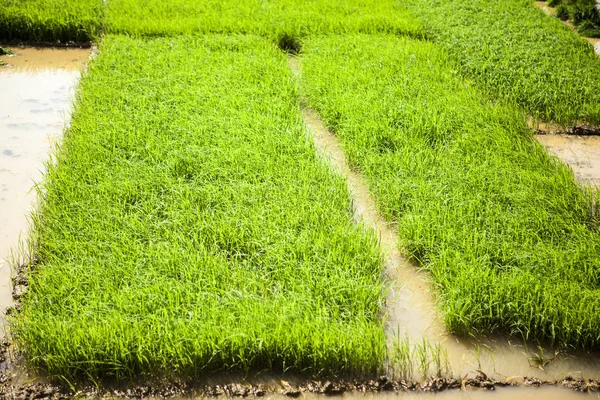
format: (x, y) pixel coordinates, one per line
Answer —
(510, 239)
(50, 20)
(188, 225)
(583, 13)
(277, 18)
(516, 52)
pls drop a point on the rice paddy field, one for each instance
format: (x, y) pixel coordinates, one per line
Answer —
(53, 21)
(518, 54)
(188, 225)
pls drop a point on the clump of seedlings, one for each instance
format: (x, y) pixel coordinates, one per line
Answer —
(517, 53)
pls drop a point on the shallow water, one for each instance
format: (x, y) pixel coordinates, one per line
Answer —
(581, 153)
(37, 89)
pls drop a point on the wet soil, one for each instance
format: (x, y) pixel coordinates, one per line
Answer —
(381, 388)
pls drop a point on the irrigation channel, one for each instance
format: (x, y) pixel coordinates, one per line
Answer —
(37, 91)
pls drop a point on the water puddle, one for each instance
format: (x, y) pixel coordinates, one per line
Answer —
(552, 11)
(581, 153)
(37, 89)
(412, 307)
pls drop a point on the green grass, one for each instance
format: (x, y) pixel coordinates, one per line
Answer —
(50, 20)
(583, 13)
(510, 239)
(278, 18)
(517, 52)
(189, 225)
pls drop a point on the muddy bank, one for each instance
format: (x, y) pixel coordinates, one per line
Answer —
(543, 128)
(477, 387)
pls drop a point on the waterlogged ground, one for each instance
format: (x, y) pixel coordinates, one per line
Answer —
(37, 89)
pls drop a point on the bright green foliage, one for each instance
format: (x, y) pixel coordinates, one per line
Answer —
(507, 234)
(50, 20)
(517, 52)
(583, 13)
(278, 18)
(189, 225)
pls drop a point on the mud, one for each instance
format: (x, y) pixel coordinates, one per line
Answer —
(378, 389)
(545, 128)
(44, 58)
(595, 42)
(581, 153)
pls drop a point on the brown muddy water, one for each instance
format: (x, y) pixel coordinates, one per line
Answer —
(36, 87)
(412, 308)
(581, 153)
(552, 11)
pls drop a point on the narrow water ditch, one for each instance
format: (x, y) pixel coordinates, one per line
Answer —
(411, 304)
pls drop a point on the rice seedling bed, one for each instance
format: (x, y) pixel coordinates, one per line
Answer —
(517, 53)
(187, 225)
(510, 239)
(583, 13)
(278, 18)
(50, 20)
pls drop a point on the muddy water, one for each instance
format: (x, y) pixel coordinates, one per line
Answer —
(411, 305)
(36, 89)
(581, 153)
(552, 11)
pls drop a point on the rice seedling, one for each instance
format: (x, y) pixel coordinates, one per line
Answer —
(50, 20)
(503, 228)
(277, 18)
(409, 359)
(187, 225)
(516, 52)
(583, 13)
